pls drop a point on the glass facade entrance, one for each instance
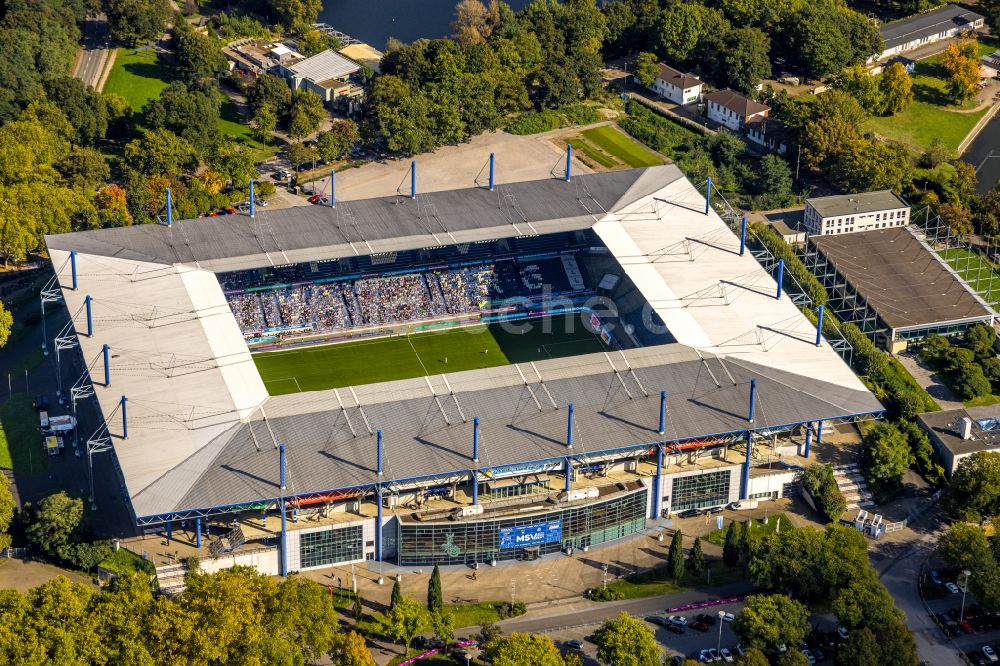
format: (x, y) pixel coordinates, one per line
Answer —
(480, 541)
(700, 491)
(318, 549)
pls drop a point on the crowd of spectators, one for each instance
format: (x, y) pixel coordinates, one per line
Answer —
(375, 301)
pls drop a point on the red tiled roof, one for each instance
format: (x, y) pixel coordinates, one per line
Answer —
(736, 102)
(677, 77)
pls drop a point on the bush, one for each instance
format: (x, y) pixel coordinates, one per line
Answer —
(535, 122)
(603, 594)
(508, 609)
(580, 114)
(819, 482)
(656, 131)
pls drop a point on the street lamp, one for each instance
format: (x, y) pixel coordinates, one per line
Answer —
(718, 645)
(961, 613)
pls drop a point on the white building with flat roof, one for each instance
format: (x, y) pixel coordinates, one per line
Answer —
(847, 213)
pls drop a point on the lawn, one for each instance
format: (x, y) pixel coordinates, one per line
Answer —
(930, 114)
(20, 442)
(659, 581)
(757, 528)
(233, 124)
(982, 401)
(402, 357)
(621, 146)
(474, 614)
(979, 272)
(123, 561)
(138, 76)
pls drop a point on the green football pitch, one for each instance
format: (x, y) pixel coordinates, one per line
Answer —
(975, 269)
(402, 357)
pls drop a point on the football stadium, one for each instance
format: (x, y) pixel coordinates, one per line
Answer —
(459, 377)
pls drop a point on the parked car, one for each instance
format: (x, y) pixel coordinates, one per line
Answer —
(678, 619)
(706, 618)
(951, 587)
(726, 655)
(809, 656)
(990, 654)
(706, 657)
(690, 513)
(699, 626)
(714, 510)
(819, 654)
(573, 644)
(842, 632)
(953, 614)
(781, 648)
(966, 627)
(657, 619)
(676, 629)
(935, 577)
(727, 617)
(715, 654)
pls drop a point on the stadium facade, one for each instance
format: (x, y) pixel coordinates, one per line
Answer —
(469, 467)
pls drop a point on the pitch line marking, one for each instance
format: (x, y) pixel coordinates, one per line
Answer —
(419, 360)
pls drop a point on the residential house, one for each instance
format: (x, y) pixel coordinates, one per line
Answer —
(768, 133)
(926, 28)
(732, 109)
(676, 86)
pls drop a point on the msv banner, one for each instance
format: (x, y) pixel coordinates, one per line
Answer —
(531, 535)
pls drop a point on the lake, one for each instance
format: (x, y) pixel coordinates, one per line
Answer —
(375, 21)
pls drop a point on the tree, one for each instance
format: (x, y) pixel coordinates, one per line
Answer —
(487, 632)
(357, 609)
(980, 339)
(964, 546)
(862, 86)
(82, 107)
(54, 522)
(890, 646)
(397, 594)
(265, 121)
(198, 56)
(679, 30)
(306, 114)
(742, 540)
(337, 142)
(191, 113)
(675, 560)
(770, 620)
(646, 68)
(975, 487)
(160, 151)
(519, 649)
(753, 657)
(962, 65)
(897, 89)
(84, 168)
(270, 91)
(626, 641)
(730, 547)
(991, 10)
(696, 560)
(864, 165)
(6, 322)
(969, 381)
(793, 658)
(957, 217)
(746, 60)
(435, 598)
(350, 650)
(313, 42)
(866, 604)
(403, 116)
(775, 180)
(886, 454)
(818, 481)
(135, 22)
(296, 13)
(444, 626)
(233, 162)
(7, 504)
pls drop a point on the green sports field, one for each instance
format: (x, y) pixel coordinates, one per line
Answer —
(975, 269)
(402, 357)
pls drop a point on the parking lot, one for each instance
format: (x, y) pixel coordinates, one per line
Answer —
(971, 631)
(696, 637)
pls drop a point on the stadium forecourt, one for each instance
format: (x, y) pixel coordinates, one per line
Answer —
(712, 378)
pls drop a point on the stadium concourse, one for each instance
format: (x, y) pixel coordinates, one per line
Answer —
(709, 370)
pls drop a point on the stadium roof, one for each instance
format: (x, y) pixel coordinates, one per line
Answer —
(905, 282)
(860, 203)
(927, 24)
(325, 65)
(371, 226)
(202, 430)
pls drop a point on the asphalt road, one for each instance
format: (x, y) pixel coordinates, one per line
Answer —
(95, 52)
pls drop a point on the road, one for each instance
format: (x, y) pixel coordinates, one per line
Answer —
(901, 573)
(90, 64)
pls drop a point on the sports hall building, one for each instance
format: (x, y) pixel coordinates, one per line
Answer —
(710, 371)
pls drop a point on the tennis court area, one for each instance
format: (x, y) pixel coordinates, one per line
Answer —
(402, 357)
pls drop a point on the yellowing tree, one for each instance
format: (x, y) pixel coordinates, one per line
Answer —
(112, 207)
(963, 70)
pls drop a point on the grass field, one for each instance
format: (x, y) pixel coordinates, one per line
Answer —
(402, 357)
(757, 528)
(975, 269)
(138, 77)
(20, 442)
(611, 148)
(233, 124)
(930, 114)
